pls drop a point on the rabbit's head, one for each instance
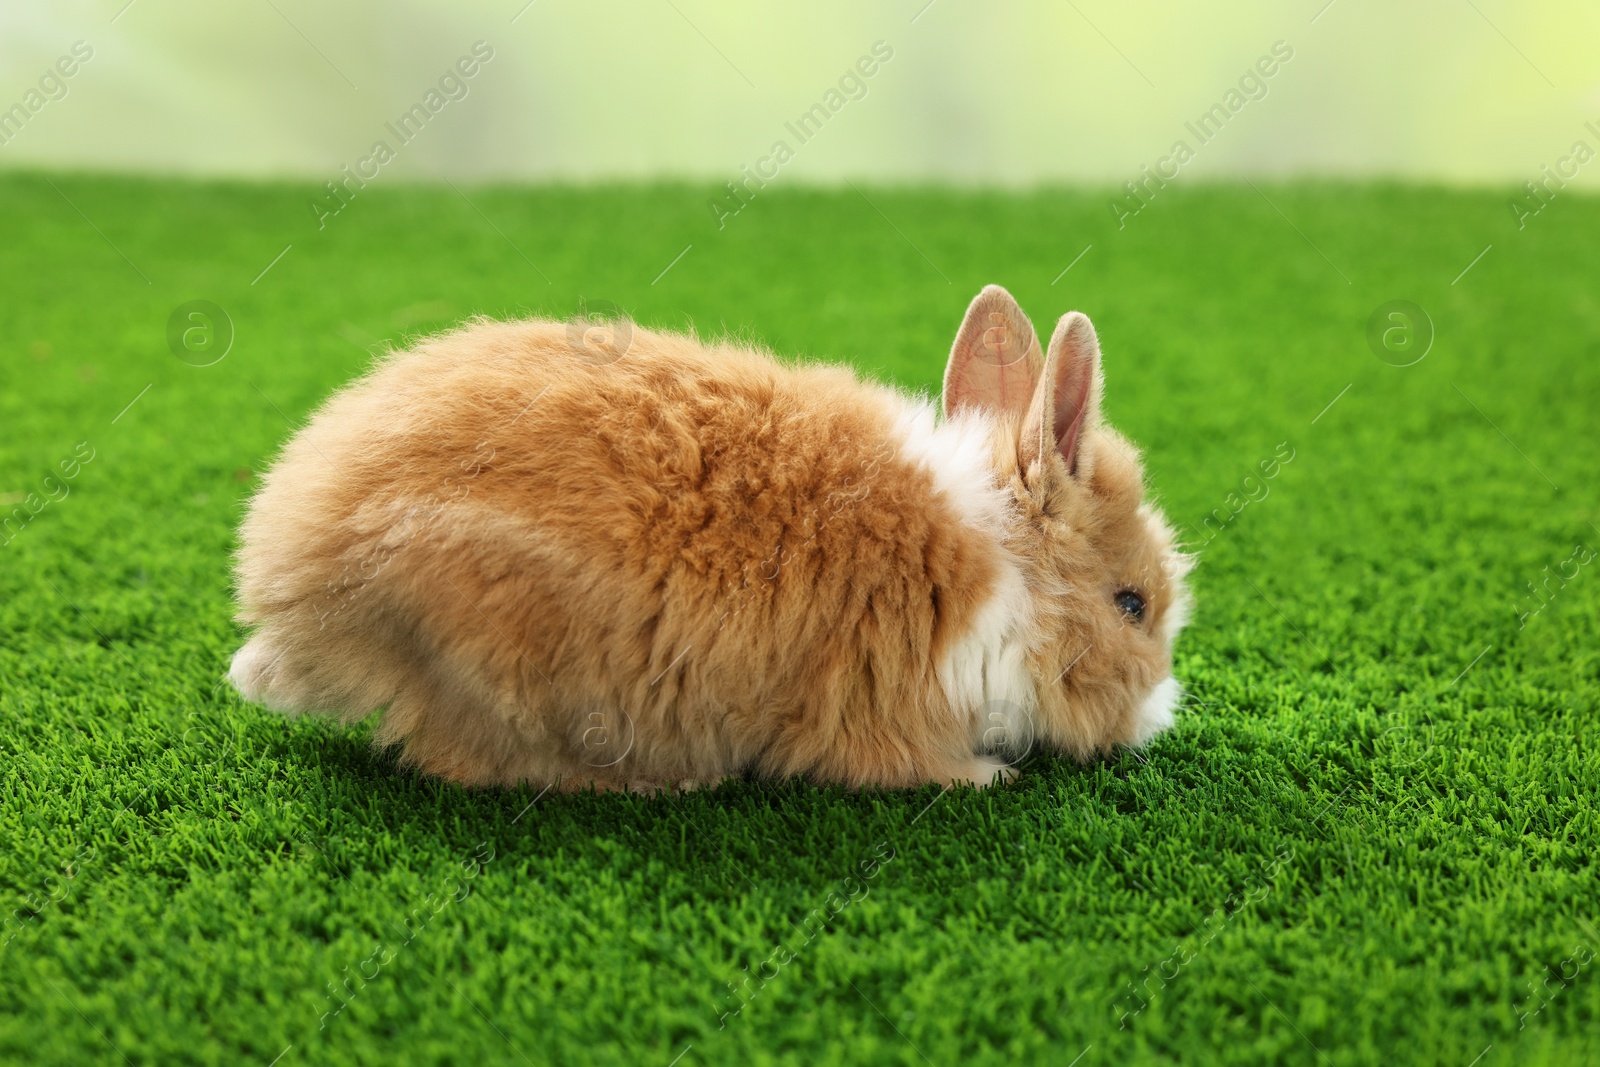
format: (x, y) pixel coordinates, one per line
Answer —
(1104, 573)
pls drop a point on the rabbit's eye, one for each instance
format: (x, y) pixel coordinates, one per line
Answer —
(1132, 604)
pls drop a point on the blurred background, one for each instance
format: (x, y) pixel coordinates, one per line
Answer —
(1455, 91)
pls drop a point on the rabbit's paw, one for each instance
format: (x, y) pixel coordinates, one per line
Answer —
(692, 785)
(981, 773)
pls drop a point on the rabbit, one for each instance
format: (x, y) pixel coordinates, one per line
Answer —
(588, 556)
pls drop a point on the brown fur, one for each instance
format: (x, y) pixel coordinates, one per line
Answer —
(689, 562)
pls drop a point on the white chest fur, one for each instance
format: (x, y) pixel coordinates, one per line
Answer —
(984, 673)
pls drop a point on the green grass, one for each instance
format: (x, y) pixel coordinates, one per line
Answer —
(1373, 828)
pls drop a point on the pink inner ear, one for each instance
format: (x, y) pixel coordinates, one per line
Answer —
(1073, 382)
(1069, 390)
(995, 361)
(991, 369)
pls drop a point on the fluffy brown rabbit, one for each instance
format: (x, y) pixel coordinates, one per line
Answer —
(558, 558)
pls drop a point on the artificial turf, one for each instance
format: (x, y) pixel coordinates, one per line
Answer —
(1370, 838)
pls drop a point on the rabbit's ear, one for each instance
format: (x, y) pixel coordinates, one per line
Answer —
(996, 359)
(1067, 400)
